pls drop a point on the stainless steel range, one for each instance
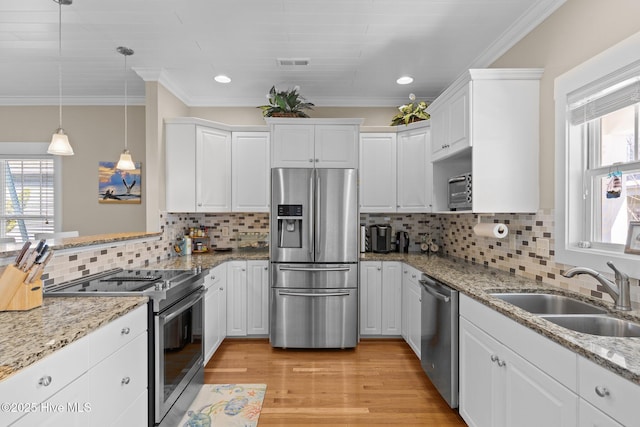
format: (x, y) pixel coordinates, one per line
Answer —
(175, 327)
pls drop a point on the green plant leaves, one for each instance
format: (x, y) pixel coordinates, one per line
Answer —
(287, 101)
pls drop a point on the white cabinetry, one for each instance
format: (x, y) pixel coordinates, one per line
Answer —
(380, 298)
(411, 307)
(487, 123)
(215, 310)
(250, 171)
(414, 170)
(215, 169)
(91, 381)
(247, 298)
(308, 143)
(510, 375)
(378, 172)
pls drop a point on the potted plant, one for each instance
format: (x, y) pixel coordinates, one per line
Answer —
(286, 103)
(409, 113)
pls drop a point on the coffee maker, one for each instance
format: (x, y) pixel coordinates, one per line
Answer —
(381, 238)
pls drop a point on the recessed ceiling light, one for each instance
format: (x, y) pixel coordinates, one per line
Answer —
(404, 80)
(222, 78)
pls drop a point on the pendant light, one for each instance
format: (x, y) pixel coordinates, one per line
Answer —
(125, 163)
(59, 141)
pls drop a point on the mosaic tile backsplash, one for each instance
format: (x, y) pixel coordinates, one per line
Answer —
(452, 232)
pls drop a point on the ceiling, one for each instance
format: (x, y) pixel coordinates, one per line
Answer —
(356, 48)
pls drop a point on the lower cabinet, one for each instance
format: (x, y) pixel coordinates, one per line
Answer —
(500, 388)
(590, 416)
(247, 298)
(215, 310)
(91, 382)
(380, 298)
(411, 307)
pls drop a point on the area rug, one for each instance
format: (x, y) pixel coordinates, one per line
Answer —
(226, 405)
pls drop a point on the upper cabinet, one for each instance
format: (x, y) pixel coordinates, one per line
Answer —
(210, 168)
(487, 123)
(319, 143)
(396, 170)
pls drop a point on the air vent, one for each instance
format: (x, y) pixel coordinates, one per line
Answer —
(293, 62)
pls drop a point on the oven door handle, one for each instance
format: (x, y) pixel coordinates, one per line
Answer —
(183, 306)
(306, 294)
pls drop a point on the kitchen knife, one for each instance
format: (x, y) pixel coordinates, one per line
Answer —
(35, 271)
(40, 245)
(41, 253)
(23, 251)
(27, 259)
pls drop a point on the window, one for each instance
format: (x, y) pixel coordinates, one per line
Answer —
(598, 159)
(29, 190)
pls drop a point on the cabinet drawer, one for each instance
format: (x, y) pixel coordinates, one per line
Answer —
(114, 335)
(619, 396)
(118, 380)
(56, 370)
(590, 416)
(136, 414)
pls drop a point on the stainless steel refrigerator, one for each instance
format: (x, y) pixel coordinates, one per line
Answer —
(314, 258)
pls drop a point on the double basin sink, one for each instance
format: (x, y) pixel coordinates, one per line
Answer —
(571, 313)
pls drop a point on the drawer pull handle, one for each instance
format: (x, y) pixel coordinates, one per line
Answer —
(494, 358)
(502, 363)
(602, 391)
(125, 381)
(45, 381)
(125, 331)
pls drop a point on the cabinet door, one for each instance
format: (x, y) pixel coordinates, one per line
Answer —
(180, 180)
(392, 298)
(458, 121)
(411, 310)
(590, 416)
(292, 146)
(480, 386)
(414, 171)
(258, 298)
(336, 146)
(532, 398)
(378, 172)
(370, 297)
(237, 298)
(213, 170)
(250, 171)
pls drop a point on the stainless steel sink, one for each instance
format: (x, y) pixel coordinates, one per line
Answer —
(596, 325)
(549, 303)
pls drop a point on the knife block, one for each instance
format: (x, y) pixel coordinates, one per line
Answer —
(15, 295)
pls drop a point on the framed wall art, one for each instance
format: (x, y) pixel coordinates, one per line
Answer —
(633, 238)
(118, 186)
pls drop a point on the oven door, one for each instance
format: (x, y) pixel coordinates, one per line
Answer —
(178, 351)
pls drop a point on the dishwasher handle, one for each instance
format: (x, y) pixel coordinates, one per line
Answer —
(427, 285)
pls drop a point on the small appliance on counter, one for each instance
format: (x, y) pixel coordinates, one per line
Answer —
(402, 241)
(364, 239)
(460, 195)
(381, 238)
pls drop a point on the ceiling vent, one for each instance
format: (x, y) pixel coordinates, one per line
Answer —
(290, 63)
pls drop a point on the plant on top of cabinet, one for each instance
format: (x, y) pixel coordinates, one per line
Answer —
(286, 103)
(412, 112)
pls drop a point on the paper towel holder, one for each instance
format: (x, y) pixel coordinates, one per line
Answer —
(505, 231)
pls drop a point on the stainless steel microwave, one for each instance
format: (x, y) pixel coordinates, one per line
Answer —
(460, 195)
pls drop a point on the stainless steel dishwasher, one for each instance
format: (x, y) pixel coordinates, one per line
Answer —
(439, 337)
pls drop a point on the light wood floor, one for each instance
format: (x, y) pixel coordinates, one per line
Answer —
(379, 382)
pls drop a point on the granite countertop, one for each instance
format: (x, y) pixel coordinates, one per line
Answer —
(28, 336)
(620, 355)
(210, 259)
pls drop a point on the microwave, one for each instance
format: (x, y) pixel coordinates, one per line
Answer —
(460, 196)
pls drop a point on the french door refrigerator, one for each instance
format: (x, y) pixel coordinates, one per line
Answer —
(314, 258)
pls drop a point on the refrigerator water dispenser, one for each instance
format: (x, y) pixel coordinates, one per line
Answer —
(289, 226)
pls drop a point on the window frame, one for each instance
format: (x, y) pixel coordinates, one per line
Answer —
(571, 208)
(39, 150)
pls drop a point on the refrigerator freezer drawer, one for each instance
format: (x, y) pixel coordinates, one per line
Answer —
(303, 318)
(314, 276)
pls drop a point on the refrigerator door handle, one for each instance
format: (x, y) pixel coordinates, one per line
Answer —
(314, 269)
(318, 242)
(305, 294)
(311, 215)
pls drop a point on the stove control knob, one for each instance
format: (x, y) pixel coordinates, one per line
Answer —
(166, 284)
(157, 287)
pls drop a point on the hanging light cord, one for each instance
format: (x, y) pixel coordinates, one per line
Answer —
(125, 102)
(60, 63)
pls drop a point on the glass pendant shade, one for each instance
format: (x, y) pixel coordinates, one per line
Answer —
(126, 162)
(60, 144)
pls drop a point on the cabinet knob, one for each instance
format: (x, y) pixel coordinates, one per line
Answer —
(45, 381)
(244, 269)
(317, 160)
(602, 391)
(125, 381)
(199, 204)
(501, 363)
(266, 268)
(213, 277)
(494, 358)
(310, 160)
(221, 288)
(125, 331)
(413, 276)
(379, 268)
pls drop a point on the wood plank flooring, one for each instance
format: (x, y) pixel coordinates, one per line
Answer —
(380, 382)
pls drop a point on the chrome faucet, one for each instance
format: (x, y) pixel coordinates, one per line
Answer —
(619, 290)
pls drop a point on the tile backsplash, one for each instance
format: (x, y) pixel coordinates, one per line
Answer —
(517, 253)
